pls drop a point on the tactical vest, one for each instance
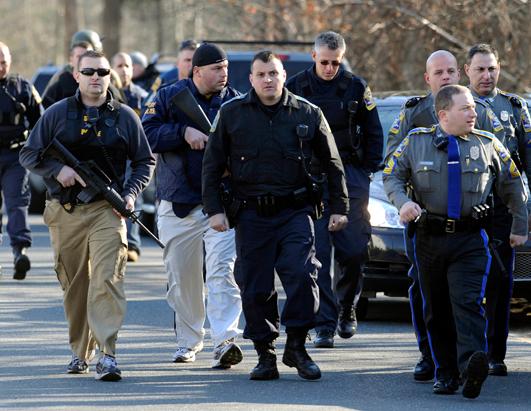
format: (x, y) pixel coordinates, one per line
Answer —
(12, 112)
(335, 109)
(108, 149)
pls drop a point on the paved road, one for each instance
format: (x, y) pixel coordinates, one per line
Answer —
(371, 371)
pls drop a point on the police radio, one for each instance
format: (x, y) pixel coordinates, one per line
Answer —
(302, 131)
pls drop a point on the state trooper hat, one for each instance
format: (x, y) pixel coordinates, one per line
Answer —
(208, 53)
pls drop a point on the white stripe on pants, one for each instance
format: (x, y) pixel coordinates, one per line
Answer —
(183, 258)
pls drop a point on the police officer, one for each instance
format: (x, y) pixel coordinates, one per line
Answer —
(19, 111)
(145, 74)
(441, 70)
(89, 239)
(265, 139)
(63, 84)
(183, 226)
(347, 104)
(183, 65)
(123, 65)
(134, 96)
(452, 168)
(483, 70)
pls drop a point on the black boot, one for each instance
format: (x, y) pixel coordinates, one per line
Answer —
(324, 339)
(425, 369)
(21, 262)
(266, 369)
(347, 322)
(295, 355)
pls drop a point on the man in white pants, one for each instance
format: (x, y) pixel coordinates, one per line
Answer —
(182, 225)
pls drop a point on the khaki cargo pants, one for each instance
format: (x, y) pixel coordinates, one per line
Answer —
(90, 253)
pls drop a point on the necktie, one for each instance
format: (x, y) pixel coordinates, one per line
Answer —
(454, 179)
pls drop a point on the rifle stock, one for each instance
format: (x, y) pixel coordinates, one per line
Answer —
(186, 102)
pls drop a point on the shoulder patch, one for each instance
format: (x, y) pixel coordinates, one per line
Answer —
(389, 167)
(395, 127)
(368, 99)
(422, 130)
(526, 119)
(156, 84)
(496, 125)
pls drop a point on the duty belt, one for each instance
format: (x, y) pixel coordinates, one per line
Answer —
(269, 205)
(436, 224)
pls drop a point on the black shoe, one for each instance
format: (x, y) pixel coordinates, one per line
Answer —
(295, 355)
(475, 374)
(446, 386)
(324, 339)
(497, 368)
(266, 369)
(21, 262)
(347, 322)
(425, 369)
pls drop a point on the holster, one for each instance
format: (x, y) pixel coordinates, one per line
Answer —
(231, 204)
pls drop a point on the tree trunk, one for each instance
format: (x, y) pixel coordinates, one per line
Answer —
(71, 23)
(111, 24)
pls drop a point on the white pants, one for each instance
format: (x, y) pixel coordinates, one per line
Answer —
(183, 259)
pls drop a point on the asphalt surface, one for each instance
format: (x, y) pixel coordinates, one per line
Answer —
(371, 371)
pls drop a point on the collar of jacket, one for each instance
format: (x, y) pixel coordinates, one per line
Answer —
(108, 101)
(288, 99)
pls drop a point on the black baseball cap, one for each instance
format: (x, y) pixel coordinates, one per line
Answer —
(208, 53)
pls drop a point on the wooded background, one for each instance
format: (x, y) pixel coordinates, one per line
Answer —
(388, 41)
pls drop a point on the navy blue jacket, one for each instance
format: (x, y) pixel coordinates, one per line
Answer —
(178, 166)
(329, 96)
(16, 90)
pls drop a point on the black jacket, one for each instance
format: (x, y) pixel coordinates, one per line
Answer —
(264, 153)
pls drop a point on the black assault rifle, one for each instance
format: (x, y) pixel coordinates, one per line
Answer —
(97, 183)
(185, 101)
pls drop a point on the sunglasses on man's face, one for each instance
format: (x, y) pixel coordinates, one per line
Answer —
(102, 72)
(334, 63)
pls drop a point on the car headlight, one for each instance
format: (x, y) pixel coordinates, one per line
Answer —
(383, 214)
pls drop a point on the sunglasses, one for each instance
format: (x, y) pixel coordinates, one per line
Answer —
(102, 72)
(334, 63)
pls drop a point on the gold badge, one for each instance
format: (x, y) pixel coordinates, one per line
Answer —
(474, 152)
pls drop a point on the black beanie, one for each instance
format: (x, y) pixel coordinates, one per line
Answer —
(208, 53)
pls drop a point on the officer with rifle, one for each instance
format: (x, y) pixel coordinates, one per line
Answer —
(179, 139)
(84, 216)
